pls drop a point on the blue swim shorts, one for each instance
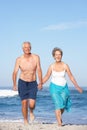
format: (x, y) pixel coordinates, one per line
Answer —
(27, 90)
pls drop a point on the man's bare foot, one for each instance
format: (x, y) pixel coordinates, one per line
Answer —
(26, 122)
(32, 117)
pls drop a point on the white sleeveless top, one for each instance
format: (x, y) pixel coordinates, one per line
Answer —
(58, 78)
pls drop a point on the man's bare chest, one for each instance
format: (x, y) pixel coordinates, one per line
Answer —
(26, 65)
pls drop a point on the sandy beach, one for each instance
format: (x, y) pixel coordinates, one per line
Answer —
(38, 126)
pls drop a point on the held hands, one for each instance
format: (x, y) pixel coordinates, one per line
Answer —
(40, 86)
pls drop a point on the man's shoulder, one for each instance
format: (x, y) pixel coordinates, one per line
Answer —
(19, 58)
(35, 55)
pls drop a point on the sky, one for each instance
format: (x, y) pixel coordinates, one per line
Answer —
(46, 24)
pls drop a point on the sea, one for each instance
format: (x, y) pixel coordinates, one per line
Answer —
(10, 107)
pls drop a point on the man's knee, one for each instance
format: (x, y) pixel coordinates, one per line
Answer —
(32, 106)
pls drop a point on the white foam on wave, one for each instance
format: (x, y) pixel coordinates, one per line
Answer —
(8, 93)
(11, 120)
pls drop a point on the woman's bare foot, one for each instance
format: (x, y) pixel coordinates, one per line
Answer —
(60, 123)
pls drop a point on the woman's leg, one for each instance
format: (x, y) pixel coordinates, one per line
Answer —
(58, 117)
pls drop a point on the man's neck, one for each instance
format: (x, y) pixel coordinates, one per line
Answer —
(27, 55)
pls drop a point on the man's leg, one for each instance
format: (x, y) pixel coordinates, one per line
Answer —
(32, 106)
(25, 111)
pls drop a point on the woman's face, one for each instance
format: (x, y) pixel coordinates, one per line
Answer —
(58, 56)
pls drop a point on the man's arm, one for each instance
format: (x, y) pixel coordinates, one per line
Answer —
(14, 75)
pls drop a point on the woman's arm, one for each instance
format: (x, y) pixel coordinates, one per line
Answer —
(72, 78)
(48, 74)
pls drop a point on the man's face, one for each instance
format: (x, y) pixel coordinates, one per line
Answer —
(26, 48)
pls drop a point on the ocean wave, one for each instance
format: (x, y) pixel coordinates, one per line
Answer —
(8, 93)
